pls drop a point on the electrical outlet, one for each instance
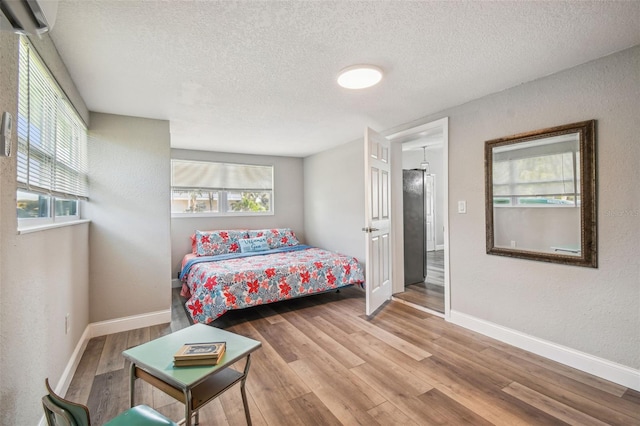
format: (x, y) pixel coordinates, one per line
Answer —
(67, 323)
(513, 244)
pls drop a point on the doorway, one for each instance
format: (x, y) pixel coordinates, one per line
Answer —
(423, 148)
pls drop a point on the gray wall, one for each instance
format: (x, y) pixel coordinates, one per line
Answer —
(129, 186)
(334, 199)
(288, 199)
(43, 276)
(595, 311)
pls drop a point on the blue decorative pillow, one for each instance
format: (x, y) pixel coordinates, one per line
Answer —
(253, 244)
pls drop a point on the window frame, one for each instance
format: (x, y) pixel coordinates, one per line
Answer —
(52, 218)
(513, 200)
(59, 146)
(223, 193)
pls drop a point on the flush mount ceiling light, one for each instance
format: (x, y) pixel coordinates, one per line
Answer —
(359, 76)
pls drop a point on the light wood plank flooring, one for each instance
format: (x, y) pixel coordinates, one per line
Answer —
(429, 294)
(324, 363)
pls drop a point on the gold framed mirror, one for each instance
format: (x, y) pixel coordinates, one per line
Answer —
(540, 201)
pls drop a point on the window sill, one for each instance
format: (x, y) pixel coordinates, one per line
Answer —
(218, 215)
(537, 206)
(39, 228)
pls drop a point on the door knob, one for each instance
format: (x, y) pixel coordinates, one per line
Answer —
(368, 229)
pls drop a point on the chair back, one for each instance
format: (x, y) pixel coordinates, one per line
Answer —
(62, 412)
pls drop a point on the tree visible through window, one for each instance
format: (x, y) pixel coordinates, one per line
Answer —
(251, 202)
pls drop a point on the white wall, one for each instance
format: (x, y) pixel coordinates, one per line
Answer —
(129, 189)
(43, 275)
(334, 199)
(537, 228)
(287, 197)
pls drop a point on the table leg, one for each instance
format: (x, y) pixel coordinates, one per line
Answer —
(187, 407)
(132, 384)
(243, 392)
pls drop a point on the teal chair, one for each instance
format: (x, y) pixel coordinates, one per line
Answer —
(61, 412)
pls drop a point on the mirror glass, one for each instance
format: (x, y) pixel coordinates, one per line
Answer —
(540, 195)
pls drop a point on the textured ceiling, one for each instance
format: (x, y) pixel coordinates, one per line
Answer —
(259, 76)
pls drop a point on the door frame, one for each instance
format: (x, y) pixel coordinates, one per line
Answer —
(397, 139)
(433, 203)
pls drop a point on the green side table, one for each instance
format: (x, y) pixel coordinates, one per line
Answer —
(197, 385)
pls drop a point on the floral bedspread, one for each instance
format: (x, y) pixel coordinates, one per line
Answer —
(217, 286)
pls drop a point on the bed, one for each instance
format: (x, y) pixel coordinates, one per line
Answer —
(237, 269)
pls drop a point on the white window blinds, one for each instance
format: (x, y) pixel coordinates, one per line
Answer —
(52, 138)
(220, 176)
(538, 169)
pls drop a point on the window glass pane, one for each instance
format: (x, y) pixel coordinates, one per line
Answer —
(31, 205)
(249, 201)
(194, 201)
(502, 201)
(65, 208)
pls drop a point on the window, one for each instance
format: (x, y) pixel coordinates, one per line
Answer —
(540, 174)
(216, 189)
(52, 147)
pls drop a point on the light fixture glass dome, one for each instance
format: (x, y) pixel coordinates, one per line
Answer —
(359, 76)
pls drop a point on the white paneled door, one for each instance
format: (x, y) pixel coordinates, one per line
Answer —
(377, 220)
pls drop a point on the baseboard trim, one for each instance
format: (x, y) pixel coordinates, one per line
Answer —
(72, 365)
(608, 370)
(102, 328)
(132, 322)
(67, 375)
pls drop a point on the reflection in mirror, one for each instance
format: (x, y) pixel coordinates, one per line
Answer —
(541, 195)
(537, 183)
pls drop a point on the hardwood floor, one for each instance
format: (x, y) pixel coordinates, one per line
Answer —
(435, 267)
(424, 294)
(324, 363)
(429, 294)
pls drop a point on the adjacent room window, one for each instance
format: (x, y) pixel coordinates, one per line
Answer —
(216, 189)
(52, 147)
(541, 174)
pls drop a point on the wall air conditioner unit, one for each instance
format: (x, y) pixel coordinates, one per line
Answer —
(28, 17)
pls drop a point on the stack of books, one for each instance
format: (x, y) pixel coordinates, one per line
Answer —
(199, 354)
